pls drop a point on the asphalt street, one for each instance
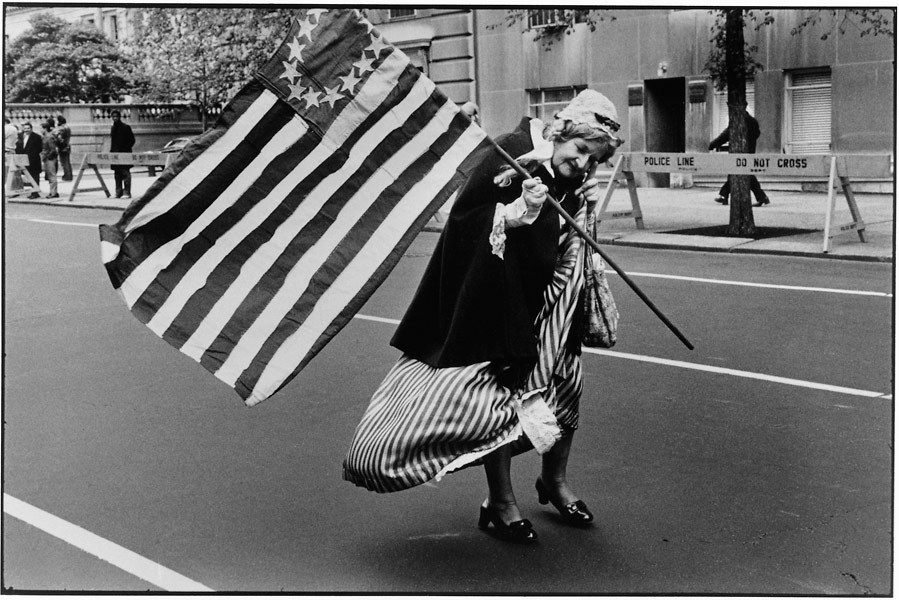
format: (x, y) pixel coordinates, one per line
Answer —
(758, 463)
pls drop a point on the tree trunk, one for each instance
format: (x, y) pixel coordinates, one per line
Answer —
(741, 220)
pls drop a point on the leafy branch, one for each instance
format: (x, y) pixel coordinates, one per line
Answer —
(865, 21)
(563, 22)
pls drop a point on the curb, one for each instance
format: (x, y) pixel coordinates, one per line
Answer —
(741, 250)
(436, 227)
(687, 247)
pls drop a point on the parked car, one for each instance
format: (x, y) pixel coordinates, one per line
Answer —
(175, 145)
(172, 146)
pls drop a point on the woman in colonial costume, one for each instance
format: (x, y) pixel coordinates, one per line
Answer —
(491, 342)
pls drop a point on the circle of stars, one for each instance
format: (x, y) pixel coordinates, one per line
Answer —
(307, 94)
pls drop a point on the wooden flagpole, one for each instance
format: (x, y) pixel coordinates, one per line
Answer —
(592, 243)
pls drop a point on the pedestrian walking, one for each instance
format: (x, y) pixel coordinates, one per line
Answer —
(471, 109)
(121, 139)
(491, 342)
(49, 156)
(10, 135)
(64, 147)
(10, 138)
(30, 144)
(753, 132)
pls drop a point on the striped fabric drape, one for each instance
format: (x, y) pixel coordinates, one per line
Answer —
(269, 232)
(423, 422)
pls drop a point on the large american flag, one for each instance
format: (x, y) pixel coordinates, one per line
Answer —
(270, 231)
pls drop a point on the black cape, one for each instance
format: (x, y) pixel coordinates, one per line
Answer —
(471, 306)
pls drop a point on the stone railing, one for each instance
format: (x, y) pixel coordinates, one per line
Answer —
(102, 113)
(153, 124)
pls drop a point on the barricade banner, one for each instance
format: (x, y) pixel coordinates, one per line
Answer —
(108, 159)
(16, 172)
(792, 165)
(837, 169)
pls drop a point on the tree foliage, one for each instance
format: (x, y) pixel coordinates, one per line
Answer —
(716, 62)
(56, 61)
(865, 21)
(554, 23)
(204, 55)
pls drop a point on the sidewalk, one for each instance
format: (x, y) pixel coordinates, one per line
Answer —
(664, 210)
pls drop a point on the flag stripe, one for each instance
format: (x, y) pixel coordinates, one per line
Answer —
(308, 189)
(352, 243)
(376, 250)
(197, 186)
(290, 231)
(306, 229)
(385, 267)
(235, 138)
(149, 269)
(200, 230)
(298, 279)
(186, 270)
(224, 273)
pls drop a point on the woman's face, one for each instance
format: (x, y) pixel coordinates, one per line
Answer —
(571, 158)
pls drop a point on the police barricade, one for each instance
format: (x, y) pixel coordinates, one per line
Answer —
(837, 169)
(16, 171)
(96, 159)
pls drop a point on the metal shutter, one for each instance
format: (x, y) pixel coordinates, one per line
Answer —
(810, 102)
(721, 116)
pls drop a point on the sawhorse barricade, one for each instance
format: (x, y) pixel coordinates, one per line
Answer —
(837, 170)
(96, 159)
(16, 168)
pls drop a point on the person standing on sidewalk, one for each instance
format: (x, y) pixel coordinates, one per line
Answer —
(64, 147)
(10, 139)
(121, 140)
(30, 144)
(10, 135)
(49, 156)
(753, 132)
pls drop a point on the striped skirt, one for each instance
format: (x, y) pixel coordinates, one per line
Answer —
(423, 422)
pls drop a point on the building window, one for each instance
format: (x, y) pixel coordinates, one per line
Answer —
(807, 112)
(545, 103)
(721, 114)
(550, 17)
(418, 56)
(112, 26)
(400, 13)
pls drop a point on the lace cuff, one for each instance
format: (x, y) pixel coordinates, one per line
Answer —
(508, 216)
(498, 233)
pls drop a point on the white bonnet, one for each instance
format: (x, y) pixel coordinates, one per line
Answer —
(593, 109)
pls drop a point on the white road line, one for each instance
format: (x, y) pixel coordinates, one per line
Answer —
(63, 223)
(378, 319)
(737, 373)
(104, 549)
(655, 275)
(759, 285)
(708, 368)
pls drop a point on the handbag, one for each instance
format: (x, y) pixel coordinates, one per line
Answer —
(600, 310)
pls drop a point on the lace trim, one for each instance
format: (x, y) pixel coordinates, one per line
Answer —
(498, 233)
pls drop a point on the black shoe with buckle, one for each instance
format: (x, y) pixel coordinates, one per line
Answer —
(721, 200)
(517, 532)
(574, 513)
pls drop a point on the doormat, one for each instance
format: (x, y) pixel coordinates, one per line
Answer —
(761, 233)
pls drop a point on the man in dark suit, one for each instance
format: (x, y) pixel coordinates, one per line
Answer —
(121, 139)
(752, 135)
(30, 143)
